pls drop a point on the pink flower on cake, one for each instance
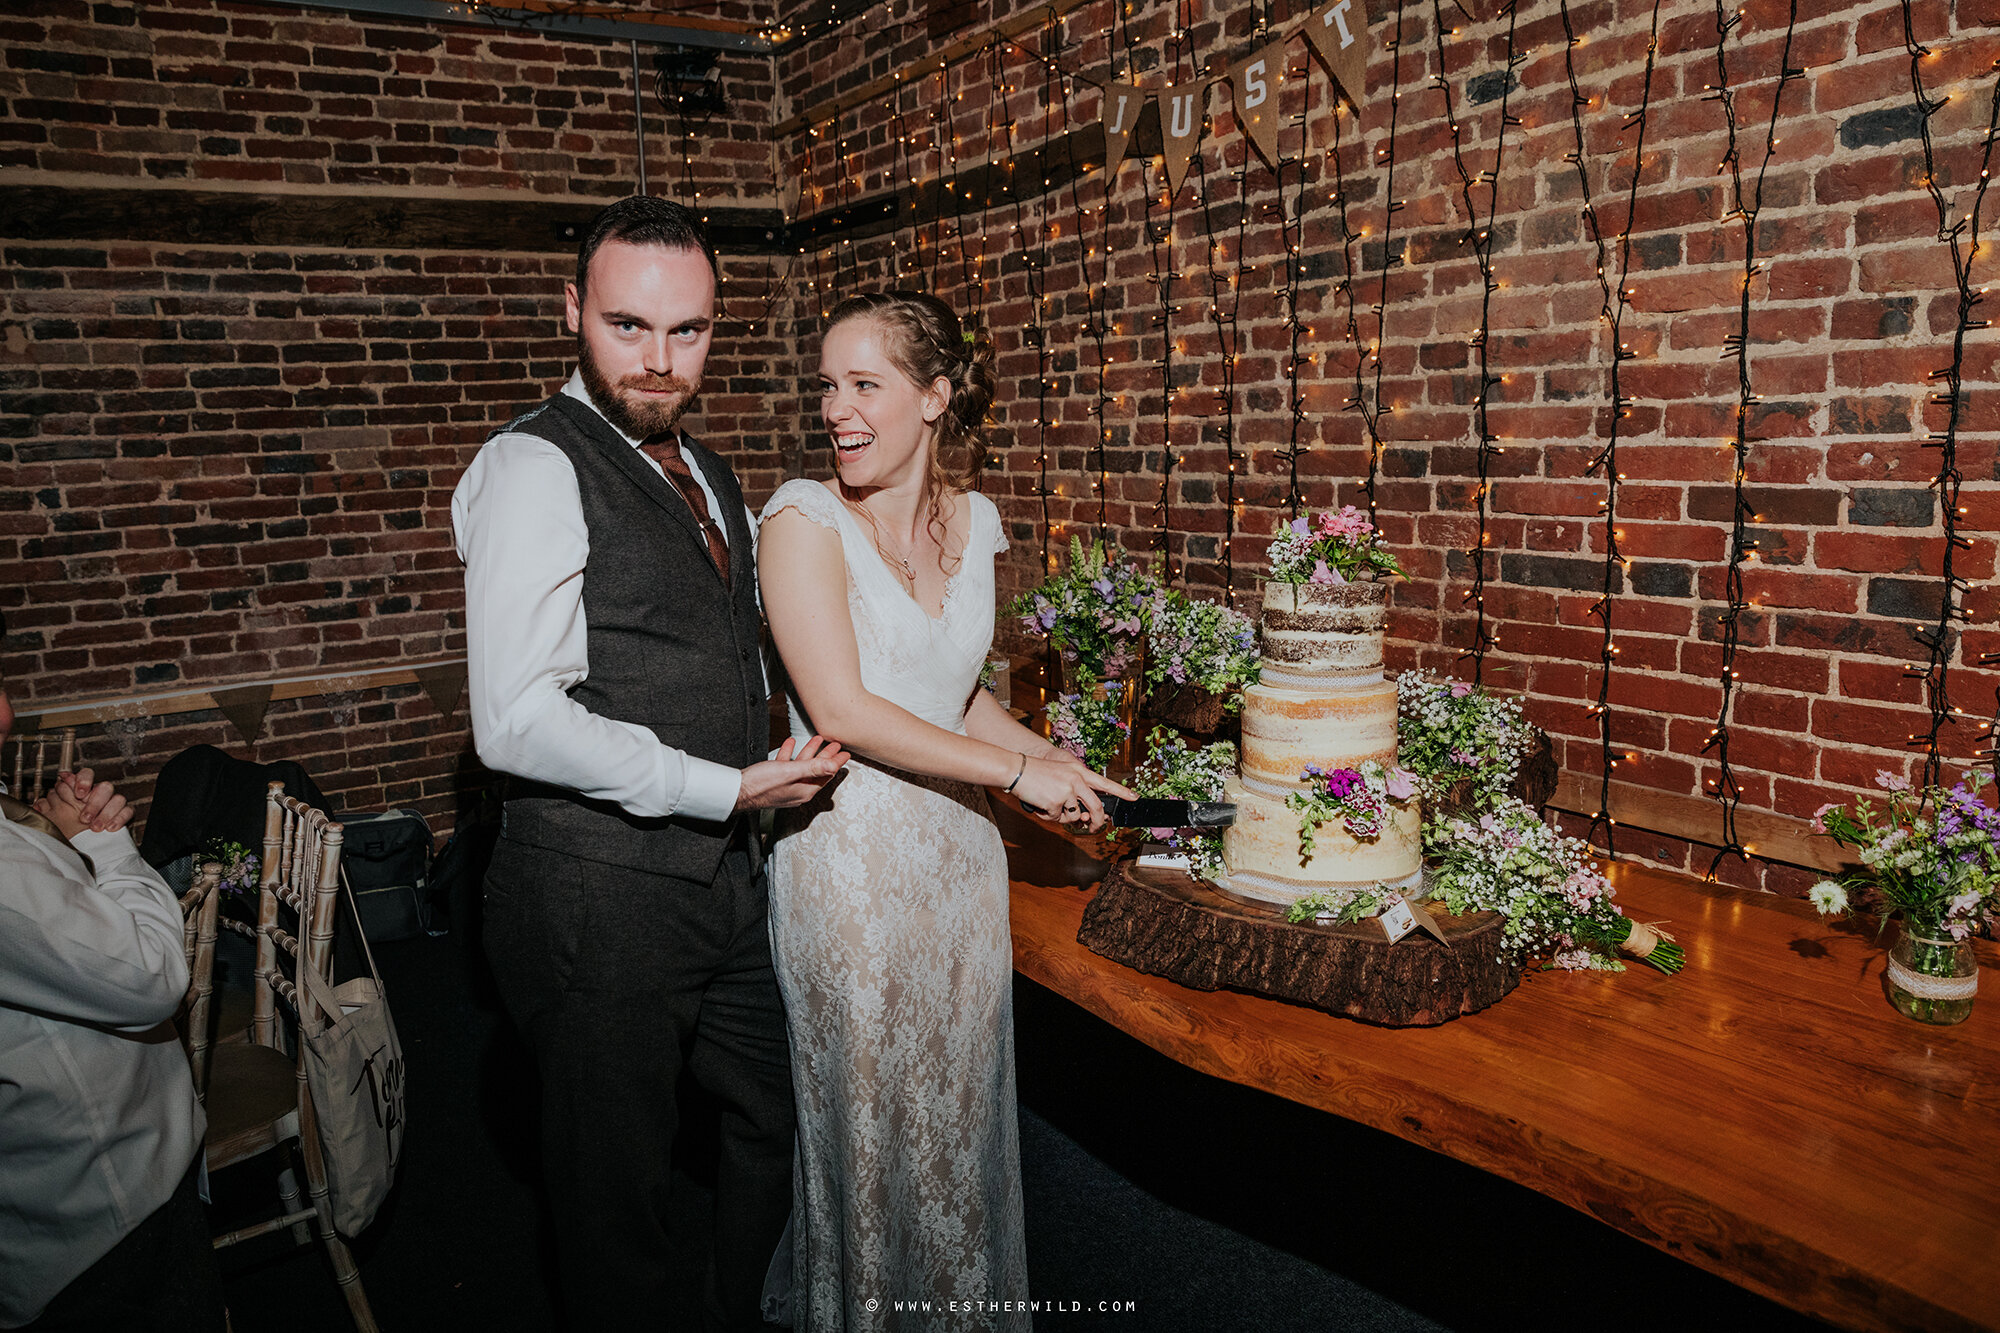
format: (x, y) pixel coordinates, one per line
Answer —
(1401, 785)
(1888, 781)
(1460, 689)
(1323, 574)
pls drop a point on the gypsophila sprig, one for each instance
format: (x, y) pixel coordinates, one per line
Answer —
(1095, 611)
(1448, 732)
(1176, 770)
(239, 866)
(1204, 644)
(1557, 906)
(1333, 548)
(1088, 727)
(1358, 797)
(1930, 855)
(1339, 906)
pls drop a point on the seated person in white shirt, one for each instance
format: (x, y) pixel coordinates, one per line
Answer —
(101, 1227)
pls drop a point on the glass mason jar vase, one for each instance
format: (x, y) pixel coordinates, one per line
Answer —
(1932, 977)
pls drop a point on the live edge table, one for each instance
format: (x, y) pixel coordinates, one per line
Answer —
(1765, 1114)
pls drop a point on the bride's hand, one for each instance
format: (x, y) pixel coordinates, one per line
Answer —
(1065, 791)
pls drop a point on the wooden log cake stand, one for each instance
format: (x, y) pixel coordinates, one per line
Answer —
(1169, 924)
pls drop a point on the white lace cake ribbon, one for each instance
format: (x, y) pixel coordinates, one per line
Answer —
(1932, 988)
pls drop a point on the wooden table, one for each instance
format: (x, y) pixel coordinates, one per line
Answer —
(1765, 1114)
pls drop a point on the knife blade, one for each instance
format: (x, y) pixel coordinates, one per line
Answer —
(1155, 812)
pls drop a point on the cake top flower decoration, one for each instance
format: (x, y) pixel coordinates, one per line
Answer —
(1332, 548)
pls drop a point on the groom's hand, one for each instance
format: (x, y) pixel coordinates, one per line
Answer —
(793, 778)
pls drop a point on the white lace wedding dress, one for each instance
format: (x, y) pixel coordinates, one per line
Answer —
(889, 932)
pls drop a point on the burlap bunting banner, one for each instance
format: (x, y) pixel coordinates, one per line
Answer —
(443, 683)
(1182, 108)
(1119, 110)
(244, 706)
(1339, 33)
(1255, 82)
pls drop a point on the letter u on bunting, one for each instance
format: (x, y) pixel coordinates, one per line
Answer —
(1256, 83)
(1118, 110)
(1339, 32)
(1181, 110)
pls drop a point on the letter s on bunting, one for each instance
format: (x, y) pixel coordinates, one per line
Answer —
(1256, 82)
(1339, 33)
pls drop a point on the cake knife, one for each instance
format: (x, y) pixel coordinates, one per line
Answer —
(1159, 813)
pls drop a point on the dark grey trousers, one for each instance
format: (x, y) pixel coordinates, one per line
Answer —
(619, 979)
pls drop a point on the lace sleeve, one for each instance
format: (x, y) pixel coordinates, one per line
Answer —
(809, 498)
(984, 509)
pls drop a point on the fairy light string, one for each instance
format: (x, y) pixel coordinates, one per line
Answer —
(1615, 302)
(1390, 257)
(1962, 240)
(1741, 548)
(1160, 243)
(1480, 238)
(1291, 233)
(1227, 335)
(1358, 400)
(1094, 319)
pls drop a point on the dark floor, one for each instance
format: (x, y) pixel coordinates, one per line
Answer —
(1205, 1205)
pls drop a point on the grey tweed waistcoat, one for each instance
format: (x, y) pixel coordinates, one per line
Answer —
(670, 646)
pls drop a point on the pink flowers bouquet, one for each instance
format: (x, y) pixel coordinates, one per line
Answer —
(1333, 548)
(1088, 727)
(1358, 797)
(1096, 611)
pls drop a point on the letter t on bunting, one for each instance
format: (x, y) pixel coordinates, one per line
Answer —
(1256, 83)
(1181, 114)
(1118, 111)
(1338, 33)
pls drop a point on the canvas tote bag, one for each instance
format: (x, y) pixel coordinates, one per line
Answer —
(354, 1066)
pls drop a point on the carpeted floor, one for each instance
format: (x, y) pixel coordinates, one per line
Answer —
(1203, 1205)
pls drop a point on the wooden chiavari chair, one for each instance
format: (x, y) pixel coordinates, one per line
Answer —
(200, 912)
(257, 1097)
(34, 759)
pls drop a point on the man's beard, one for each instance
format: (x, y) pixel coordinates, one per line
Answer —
(638, 418)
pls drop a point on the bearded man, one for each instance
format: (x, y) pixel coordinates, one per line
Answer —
(617, 676)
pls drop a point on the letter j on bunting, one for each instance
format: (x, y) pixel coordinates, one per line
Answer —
(1339, 33)
(1256, 83)
(1182, 110)
(1119, 111)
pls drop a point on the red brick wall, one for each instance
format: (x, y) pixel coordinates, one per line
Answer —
(1849, 317)
(229, 463)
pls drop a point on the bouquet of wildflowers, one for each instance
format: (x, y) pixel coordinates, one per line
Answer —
(1339, 906)
(1931, 854)
(1088, 727)
(1333, 548)
(1204, 644)
(1179, 771)
(1358, 797)
(1096, 611)
(239, 866)
(1555, 902)
(1449, 732)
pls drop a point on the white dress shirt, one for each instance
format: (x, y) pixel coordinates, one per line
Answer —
(519, 524)
(98, 1118)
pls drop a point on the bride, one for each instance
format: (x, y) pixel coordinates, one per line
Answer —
(889, 893)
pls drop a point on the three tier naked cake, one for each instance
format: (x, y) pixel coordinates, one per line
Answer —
(1323, 705)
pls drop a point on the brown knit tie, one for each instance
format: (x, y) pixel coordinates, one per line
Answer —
(667, 453)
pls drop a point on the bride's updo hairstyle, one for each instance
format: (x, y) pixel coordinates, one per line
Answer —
(927, 343)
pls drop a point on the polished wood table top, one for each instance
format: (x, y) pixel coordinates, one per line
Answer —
(1765, 1114)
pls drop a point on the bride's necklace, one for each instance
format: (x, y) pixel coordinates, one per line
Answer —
(898, 564)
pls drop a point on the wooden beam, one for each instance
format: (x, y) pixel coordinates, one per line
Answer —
(168, 703)
(1025, 21)
(1768, 836)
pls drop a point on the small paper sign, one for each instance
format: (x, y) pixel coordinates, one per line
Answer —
(244, 706)
(443, 683)
(1397, 919)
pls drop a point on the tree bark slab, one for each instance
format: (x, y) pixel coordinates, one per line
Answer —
(1169, 924)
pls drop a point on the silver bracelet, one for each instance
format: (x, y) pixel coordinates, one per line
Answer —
(1008, 789)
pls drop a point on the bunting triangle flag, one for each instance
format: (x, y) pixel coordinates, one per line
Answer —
(244, 706)
(443, 683)
(1339, 32)
(1182, 108)
(1255, 82)
(1119, 110)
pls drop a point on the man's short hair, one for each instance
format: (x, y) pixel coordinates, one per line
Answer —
(644, 220)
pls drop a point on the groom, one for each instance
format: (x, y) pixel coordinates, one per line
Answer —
(616, 674)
